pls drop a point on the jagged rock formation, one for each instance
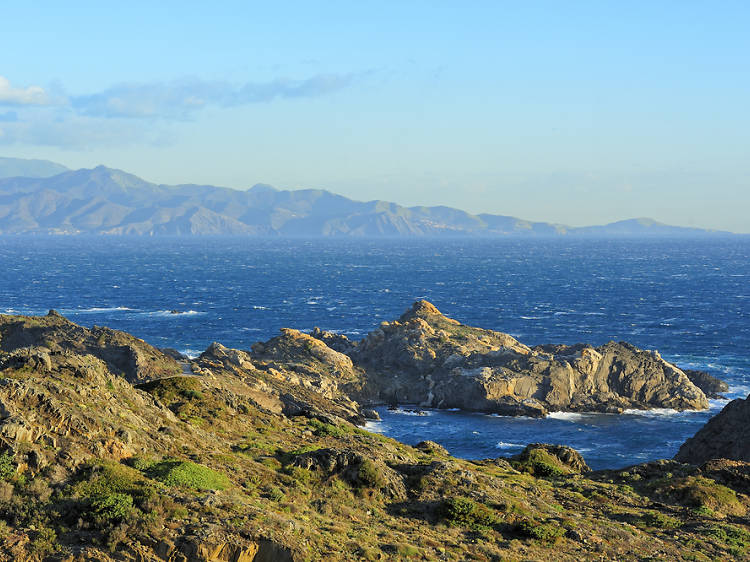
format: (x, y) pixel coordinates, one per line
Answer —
(426, 358)
(299, 373)
(725, 436)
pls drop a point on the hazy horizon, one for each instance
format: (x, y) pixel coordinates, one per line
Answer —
(578, 114)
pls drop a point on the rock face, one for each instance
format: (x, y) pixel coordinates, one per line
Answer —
(725, 436)
(426, 358)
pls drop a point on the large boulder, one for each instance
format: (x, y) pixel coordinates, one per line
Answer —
(725, 436)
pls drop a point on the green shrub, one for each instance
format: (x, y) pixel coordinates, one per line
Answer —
(7, 466)
(322, 429)
(188, 474)
(103, 478)
(276, 494)
(369, 475)
(728, 535)
(700, 492)
(44, 542)
(465, 512)
(540, 463)
(114, 507)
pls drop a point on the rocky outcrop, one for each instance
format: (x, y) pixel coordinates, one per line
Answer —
(725, 436)
(299, 372)
(552, 458)
(434, 361)
(355, 469)
(124, 355)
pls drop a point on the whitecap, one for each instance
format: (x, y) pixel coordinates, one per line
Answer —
(97, 310)
(170, 314)
(257, 307)
(653, 413)
(505, 445)
(190, 353)
(414, 412)
(373, 426)
(566, 416)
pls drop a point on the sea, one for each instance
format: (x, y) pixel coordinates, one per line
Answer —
(687, 298)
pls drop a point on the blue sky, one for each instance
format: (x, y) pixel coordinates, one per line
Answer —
(568, 112)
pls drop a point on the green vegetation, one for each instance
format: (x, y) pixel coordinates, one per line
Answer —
(173, 472)
(540, 463)
(7, 466)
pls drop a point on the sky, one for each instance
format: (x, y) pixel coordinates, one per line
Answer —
(569, 112)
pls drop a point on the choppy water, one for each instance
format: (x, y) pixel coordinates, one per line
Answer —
(690, 299)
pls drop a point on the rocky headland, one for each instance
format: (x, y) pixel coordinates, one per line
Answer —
(111, 449)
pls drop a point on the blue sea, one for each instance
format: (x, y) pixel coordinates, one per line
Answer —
(690, 299)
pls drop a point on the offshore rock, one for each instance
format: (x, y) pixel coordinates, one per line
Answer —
(725, 436)
(434, 361)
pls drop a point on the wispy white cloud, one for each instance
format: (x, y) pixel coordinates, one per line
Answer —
(33, 95)
(180, 98)
(123, 114)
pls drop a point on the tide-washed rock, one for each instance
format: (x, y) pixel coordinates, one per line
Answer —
(710, 385)
(725, 436)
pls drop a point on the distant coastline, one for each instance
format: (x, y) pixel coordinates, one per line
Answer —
(104, 201)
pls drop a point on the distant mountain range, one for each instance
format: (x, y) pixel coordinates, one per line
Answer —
(45, 198)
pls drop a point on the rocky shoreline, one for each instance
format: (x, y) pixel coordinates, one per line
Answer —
(111, 449)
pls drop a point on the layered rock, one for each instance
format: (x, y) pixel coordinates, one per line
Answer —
(725, 436)
(426, 358)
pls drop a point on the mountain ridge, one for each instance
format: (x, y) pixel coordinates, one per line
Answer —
(107, 201)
